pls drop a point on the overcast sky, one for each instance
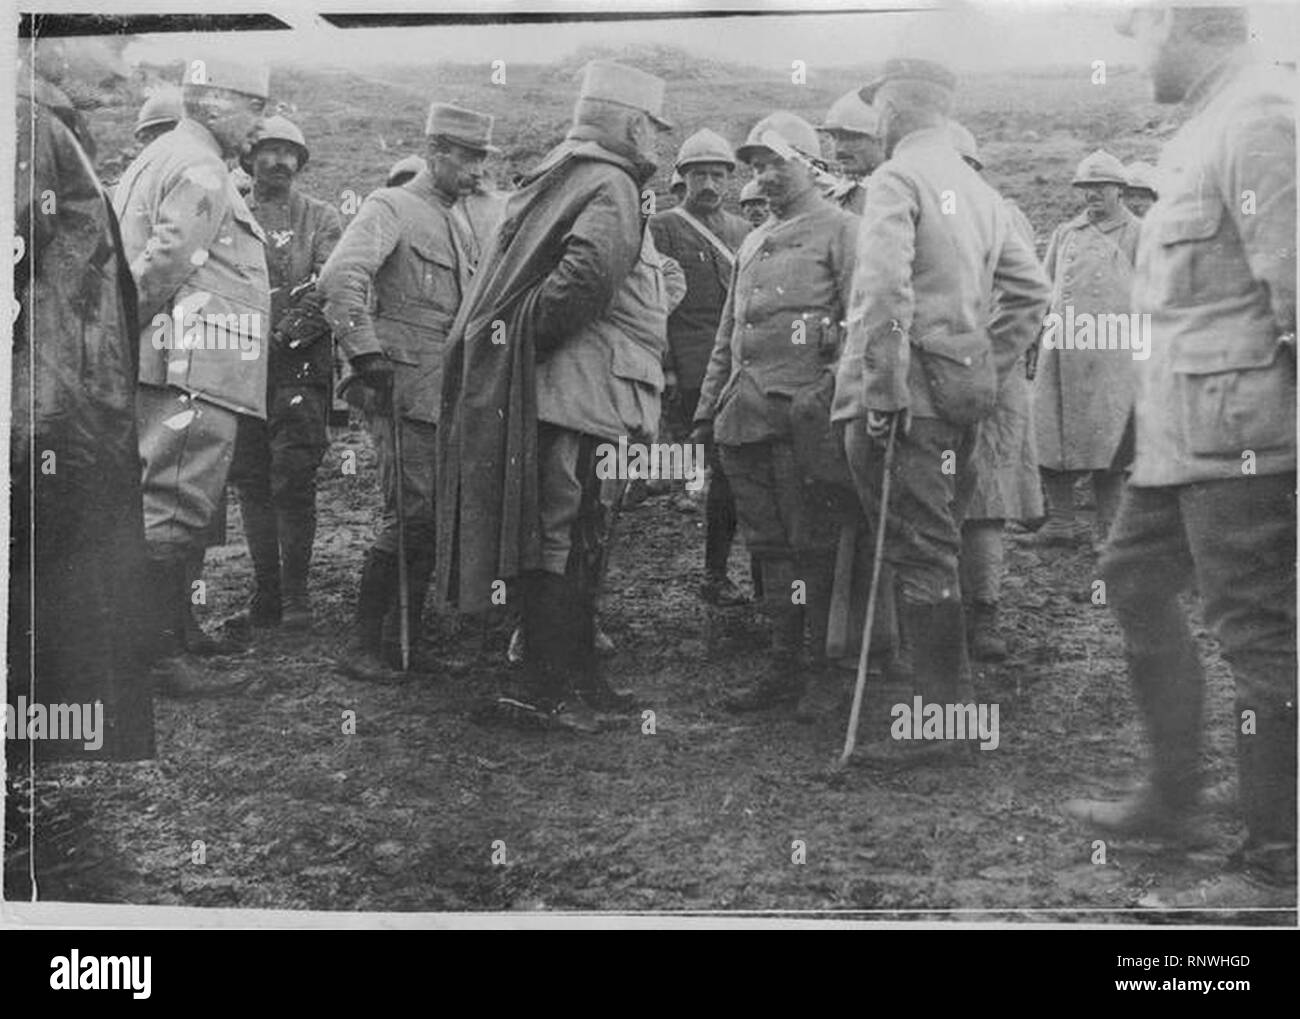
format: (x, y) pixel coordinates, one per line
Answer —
(984, 35)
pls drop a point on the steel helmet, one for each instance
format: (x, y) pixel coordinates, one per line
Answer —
(964, 142)
(705, 146)
(1143, 175)
(404, 169)
(850, 114)
(282, 129)
(796, 131)
(1100, 168)
(750, 193)
(163, 107)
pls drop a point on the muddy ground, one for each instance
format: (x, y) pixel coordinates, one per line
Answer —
(407, 813)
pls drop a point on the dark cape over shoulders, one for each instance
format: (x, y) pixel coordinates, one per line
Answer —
(488, 503)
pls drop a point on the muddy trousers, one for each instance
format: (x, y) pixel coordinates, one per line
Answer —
(981, 561)
(274, 471)
(379, 587)
(559, 600)
(923, 540)
(1237, 540)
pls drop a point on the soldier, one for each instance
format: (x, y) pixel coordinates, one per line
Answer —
(199, 263)
(922, 360)
(1141, 192)
(1212, 496)
(778, 334)
(703, 238)
(855, 130)
(1005, 464)
(677, 185)
(78, 629)
(276, 459)
(160, 113)
(556, 353)
(414, 248)
(753, 203)
(1083, 392)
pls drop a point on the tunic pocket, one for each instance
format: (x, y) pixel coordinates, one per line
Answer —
(1235, 400)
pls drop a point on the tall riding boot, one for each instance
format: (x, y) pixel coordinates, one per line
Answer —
(981, 573)
(553, 633)
(377, 592)
(826, 684)
(177, 674)
(719, 530)
(197, 641)
(1168, 684)
(781, 682)
(1266, 762)
(262, 534)
(938, 639)
(297, 532)
(587, 675)
(1063, 526)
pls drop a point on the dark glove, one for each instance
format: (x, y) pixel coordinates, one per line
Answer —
(375, 372)
(300, 327)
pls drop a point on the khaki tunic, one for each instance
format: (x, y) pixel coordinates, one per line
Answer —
(1219, 282)
(1083, 398)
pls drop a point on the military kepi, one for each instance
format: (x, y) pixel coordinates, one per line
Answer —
(909, 69)
(613, 82)
(232, 75)
(464, 127)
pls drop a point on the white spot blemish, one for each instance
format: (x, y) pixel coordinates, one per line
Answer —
(199, 257)
(178, 421)
(295, 401)
(205, 177)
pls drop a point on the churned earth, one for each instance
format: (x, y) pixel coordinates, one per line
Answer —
(287, 810)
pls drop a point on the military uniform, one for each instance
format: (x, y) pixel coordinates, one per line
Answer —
(1006, 487)
(1211, 498)
(921, 299)
(691, 331)
(1083, 398)
(393, 285)
(194, 247)
(79, 623)
(276, 459)
(778, 336)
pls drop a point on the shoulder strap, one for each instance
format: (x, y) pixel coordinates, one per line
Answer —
(727, 254)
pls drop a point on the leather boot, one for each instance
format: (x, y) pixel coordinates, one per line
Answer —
(986, 644)
(1266, 762)
(176, 674)
(1063, 528)
(552, 632)
(297, 532)
(261, 533)
(364, 659)
(781, 680)
(719, 530)
(198, 641)
(1168, 684)
(825, 686)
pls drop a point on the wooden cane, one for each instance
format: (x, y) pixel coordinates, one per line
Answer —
(851, 737)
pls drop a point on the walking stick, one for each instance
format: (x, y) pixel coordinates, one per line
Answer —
(851, 737)
(403, 585)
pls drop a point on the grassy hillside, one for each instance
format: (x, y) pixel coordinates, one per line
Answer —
(1032, 127)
